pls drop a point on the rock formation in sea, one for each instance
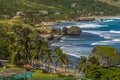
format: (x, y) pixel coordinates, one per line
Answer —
(74, 31)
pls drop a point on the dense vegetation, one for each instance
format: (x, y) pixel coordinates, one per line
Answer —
(21, 43)
(105, 56)
(112, 2)
(99, 73)
(68, 9)
(93, 68)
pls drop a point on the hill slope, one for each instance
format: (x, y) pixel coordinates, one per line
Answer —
(67, 8)
(112, 2)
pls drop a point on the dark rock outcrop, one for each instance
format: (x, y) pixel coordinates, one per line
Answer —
(104, 56)
(86, 19)
(74, 31)
(56, 31)
(64, 30)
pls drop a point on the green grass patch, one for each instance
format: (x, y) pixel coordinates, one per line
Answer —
(39, 74)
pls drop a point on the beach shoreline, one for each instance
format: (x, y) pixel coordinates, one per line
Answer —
(72, 56)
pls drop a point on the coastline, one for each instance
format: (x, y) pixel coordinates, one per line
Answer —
(107, 16)
(73, 20)
(74, 57)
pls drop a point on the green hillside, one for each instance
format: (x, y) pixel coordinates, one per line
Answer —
(68, 9)
(112, 2)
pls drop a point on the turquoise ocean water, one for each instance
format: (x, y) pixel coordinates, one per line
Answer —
(94, 33)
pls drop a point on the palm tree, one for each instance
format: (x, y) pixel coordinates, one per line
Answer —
(65, 61)
(40, 49)
(3, 43)
(48, 58)
(83, 65)
(21, 47)
(62, 58)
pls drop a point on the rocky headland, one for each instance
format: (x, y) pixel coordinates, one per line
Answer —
(104, 56)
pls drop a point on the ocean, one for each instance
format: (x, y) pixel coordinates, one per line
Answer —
(93, 34)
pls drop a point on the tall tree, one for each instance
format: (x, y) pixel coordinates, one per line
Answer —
(62, 58)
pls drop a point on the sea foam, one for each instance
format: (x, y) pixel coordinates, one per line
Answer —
(107, 42)
(85, 25)
(112, 31)
(76, 51)
(103, 34)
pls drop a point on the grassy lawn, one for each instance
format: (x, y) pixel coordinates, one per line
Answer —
(39, 74)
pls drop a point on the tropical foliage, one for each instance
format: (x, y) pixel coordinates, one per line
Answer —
(21, 43)
(92, 68)
(95, 72)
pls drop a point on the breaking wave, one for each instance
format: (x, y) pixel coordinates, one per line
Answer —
(103, 34)
(85, 25)
(112, 31)
(107, 42)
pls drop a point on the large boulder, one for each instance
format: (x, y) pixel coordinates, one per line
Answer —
(104, 56)
(74, 30)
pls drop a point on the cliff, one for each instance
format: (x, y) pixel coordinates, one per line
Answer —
(104, 56)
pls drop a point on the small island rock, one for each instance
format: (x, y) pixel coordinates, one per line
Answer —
(74, 31)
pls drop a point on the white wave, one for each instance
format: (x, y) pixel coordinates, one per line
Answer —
(112, 31)
(107, 42)
(63, 38)
(109, 20)
(106, 36)
(103, 20)
(117, 18)
(53, 44)
(103, 34)
(116, 40)
(88, 25)
(76, 55)
(62, 41)
(56, 44)
(112, 18)
(101, 43)
(76, 51)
